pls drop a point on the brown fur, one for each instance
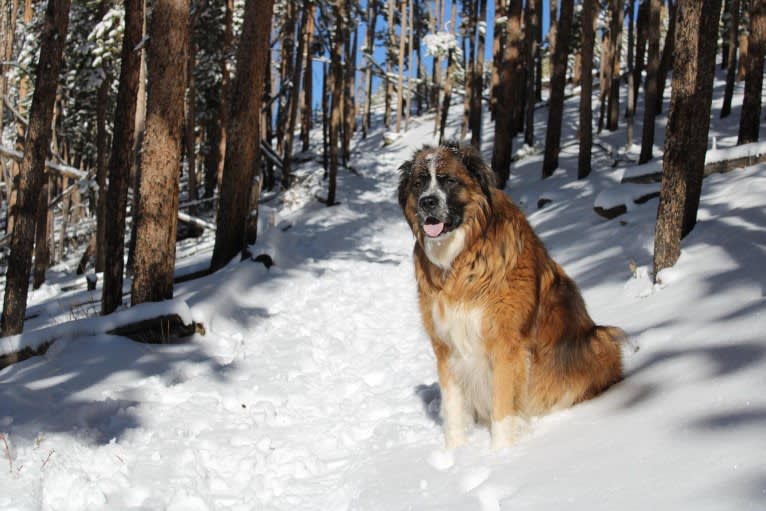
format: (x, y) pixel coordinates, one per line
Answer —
(543, 349)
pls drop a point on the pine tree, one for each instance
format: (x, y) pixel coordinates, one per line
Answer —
(156, 217)
(243, 137)
(687, 131)
(586, 92)
(731, 56)
(122, 156)
(32, 168)
(652, 71)
(750, 120)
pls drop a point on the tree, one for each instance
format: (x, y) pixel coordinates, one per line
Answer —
(294, 98)
(615, 53)
(244, 132)
(731, 56)
(650, 101)
(477, 77)
(32, 168)
(666, 60)
(510, 76)
(586, 93)
(400, 83)
(532, 56)
(8, 14)
(122, 155)
(687, 131)
(558, 81)
(750, 120)
(156, 218)
(336, 85)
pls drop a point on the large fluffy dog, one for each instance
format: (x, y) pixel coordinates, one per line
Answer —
(510, 331)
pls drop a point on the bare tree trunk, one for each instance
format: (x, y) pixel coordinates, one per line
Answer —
(605, 78)
(731, 59)
(190, 114)
(349, 104)
(556, 102)
(510, 73)
(666, 61)
(532, 54)
(286, 63)
(688, 123)
(586, 93)
(724, 40)
(750, 120)
(292, 113)
(552, 33)
(372, 16)
(630, 108)
(447, 99)
(42, 225)
(400, 83)
(389, 56)
(742, 68)
(156, 217)
(122, 155)
(650, 103)
(336, 66)
(308, 83)
(498, 42)
(32, 168)
(642, 35)
(615, 54)
(477, 79)
(411, 65)
(8, 14)
(244, 132)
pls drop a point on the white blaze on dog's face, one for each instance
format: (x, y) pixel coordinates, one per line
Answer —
(440, 190)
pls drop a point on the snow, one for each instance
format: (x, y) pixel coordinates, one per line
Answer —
(314, 387)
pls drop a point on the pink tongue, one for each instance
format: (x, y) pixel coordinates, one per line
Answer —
(433, 230)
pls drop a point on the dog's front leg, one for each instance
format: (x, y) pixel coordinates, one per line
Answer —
(454, 409)
(510, 377)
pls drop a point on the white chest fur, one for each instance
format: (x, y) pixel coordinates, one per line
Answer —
(460, 328)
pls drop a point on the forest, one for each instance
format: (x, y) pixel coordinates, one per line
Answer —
(78, 82)
(215, 179)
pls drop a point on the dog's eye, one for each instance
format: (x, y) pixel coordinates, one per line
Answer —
(420, 181)
(446, 179)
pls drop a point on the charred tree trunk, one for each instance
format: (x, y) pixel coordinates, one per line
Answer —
(650, 101)
(688, 123)
(750, 121)
(122, 155)
(244, 132)
(32, 169)
(556, 102)
(156, 218)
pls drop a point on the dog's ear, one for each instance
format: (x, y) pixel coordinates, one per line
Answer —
(405, 171)
(476, 167)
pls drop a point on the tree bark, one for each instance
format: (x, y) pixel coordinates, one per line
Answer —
(556, 102)
(586, 93)
(650, 101)
(372, 16)
(400, 82)
(43, 223)
(688, 123)
(731, 59)
(615, 56)
(122, 155)
(32, 169)
(642, 35)
(477, 79)
(336, 70)
(190, 118)
(532, 53)
(244, 132)
(391, 9)
(295, 89)
(156, 217)
(750, 120)
(510, 74)
(666, 61)
(308, 83)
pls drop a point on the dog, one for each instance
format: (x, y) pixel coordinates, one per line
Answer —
(509, 329)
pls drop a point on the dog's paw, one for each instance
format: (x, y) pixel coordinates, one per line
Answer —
(454, 439)
(507, 431)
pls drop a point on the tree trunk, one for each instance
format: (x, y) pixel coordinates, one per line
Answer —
(553, 16)
(8, 14)
(295, 89)
(412, 66)
(642, 35)
(156, 217)
(287, 62)
(725, 40)
(336, 70)
(372, 16)
(556, 102)
(349, 103)
(586, 93)
(509, 77)
(308, 83)
(477, 79)
(400, 82)
(731, 59)
(122, 155)
(666, 62)
(532, 54)
(190, 119)
(391, 6)
(688, 123)
(498, 42)
(32, 169)
(244, 132)
(615, 54)
(650, 101)
(630, 108)
(750, 120)
(447, 99)
(42, 246)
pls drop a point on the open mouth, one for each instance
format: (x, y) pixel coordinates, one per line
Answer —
(434, 227)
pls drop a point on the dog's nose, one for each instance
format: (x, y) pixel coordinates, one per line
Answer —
(428, 202)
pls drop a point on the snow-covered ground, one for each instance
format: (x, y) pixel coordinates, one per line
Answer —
(314, 387)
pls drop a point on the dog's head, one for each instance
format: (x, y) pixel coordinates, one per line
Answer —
(445, 193)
